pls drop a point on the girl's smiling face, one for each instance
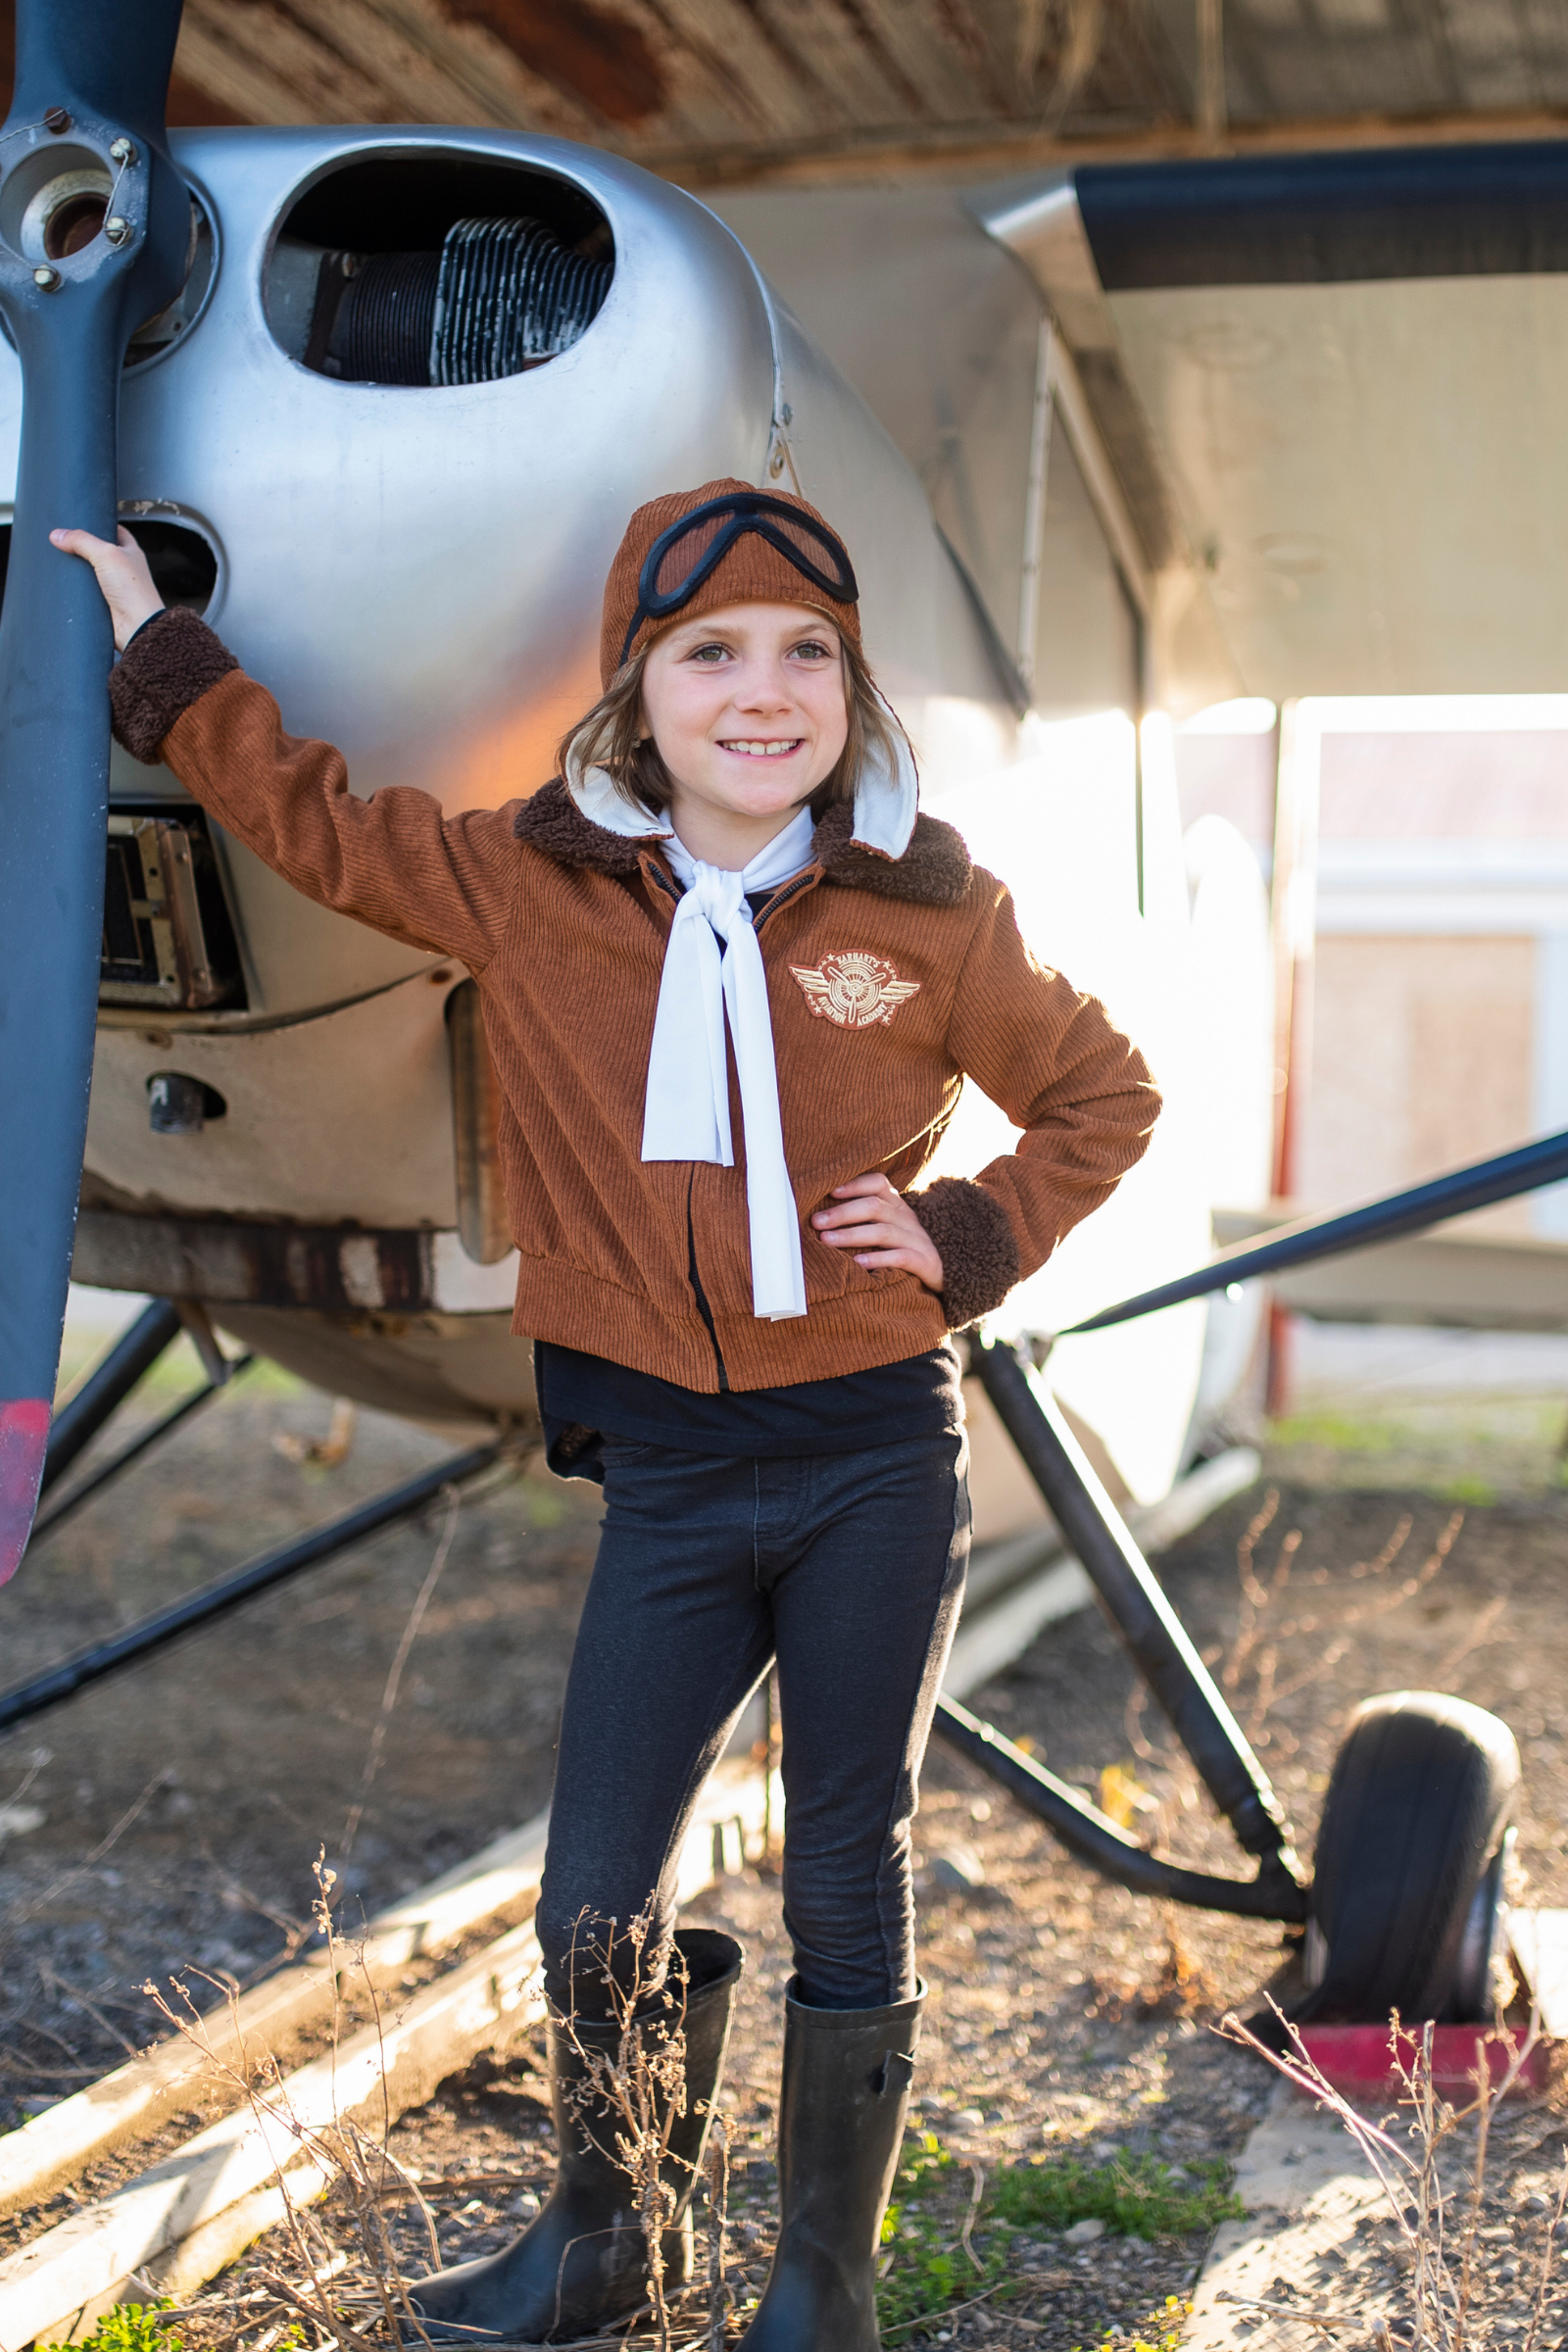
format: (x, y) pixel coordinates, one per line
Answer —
(748, 710)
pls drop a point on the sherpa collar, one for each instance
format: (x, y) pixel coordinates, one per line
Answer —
(934, 870)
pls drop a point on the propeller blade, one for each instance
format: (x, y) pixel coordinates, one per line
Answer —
(94, 234)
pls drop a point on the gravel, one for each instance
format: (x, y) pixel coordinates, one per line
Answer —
(183, 1804)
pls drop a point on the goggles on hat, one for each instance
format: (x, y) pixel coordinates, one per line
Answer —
(688, 554)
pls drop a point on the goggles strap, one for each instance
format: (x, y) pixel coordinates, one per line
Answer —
(753, 515)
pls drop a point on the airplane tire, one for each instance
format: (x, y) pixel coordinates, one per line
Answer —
(1409, 1864)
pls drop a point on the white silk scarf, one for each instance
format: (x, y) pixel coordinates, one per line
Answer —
(686, 1107)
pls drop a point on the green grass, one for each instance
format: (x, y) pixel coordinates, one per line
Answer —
(139, 2328)
(1458, 1449)
(1334, 1430)
(1467, 1487)
(173, 1376)
(1133, 2196)
(931, 2271)
(128, 2327)
(1162, 2330)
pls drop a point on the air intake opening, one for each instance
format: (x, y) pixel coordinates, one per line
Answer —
(183, 564)
(429, 271)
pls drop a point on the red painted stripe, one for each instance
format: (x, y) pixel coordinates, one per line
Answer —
(1358, 2060)
(23, 1435)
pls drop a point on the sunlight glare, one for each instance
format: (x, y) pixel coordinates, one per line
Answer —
(1247, 714)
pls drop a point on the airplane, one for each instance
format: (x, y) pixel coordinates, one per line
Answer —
(386, 394)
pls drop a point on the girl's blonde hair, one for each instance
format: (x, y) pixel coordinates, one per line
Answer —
(612, 736)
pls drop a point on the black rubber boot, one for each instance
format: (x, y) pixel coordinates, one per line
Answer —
(582, 2264)
(847, 2075)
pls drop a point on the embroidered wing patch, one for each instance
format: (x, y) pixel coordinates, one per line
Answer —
(855, 990)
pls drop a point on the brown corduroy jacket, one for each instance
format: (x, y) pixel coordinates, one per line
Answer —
(889, 979)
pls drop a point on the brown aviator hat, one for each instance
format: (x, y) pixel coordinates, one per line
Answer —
(724, 544)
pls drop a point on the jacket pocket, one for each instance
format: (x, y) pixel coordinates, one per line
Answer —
(833, 1273)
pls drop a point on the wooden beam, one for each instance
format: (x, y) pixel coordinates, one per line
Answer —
(135, 2099)
(161, 2224)
(979, 151)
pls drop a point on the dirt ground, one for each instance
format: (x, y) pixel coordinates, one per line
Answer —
(172, 1814)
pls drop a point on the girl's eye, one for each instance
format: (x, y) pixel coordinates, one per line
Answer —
(815, 651)
(709, 654)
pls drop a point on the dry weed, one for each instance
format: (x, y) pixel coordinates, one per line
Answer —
(452, 1497)
(640, 2085)
(333, 2274)
(720, 2294)
(330, 1451)
(360, 2172)
(1273, 1612)
(1437, 2208)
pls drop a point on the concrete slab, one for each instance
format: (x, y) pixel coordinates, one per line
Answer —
(1305, 2185)
(1539, 1945)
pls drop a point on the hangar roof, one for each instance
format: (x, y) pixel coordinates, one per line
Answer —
(714, 91)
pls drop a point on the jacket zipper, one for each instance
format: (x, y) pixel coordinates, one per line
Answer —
(785, 890)
(696, 1281)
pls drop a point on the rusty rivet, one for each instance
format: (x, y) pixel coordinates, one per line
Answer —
(56, 120)
(46, 277)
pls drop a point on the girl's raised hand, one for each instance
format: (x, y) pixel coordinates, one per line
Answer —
(881, 1228)
(122, 575)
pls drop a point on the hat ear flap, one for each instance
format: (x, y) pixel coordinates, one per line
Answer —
(886, 793)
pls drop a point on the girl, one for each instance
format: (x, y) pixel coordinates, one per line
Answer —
(732, 982)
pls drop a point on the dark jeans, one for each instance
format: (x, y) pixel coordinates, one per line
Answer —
(849, 1569)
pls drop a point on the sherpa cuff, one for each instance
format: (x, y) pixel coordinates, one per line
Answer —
(975, 1242)
(170, 663)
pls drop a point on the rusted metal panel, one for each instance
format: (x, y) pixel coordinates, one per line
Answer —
(233, 1262)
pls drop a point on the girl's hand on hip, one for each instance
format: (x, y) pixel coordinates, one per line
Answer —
(881, 1228)
(122, 575)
